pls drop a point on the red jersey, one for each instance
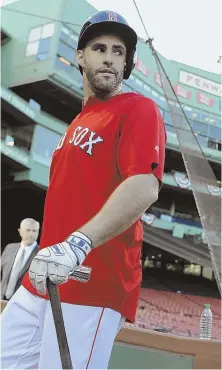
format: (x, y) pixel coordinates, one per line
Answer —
(106, 143)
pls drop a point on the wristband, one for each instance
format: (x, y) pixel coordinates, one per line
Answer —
(80, 241)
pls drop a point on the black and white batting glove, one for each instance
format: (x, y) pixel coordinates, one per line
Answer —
(59, 261)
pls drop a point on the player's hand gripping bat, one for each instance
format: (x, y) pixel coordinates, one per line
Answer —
(82, 273)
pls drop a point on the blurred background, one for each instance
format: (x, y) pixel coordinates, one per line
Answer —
(41, 93)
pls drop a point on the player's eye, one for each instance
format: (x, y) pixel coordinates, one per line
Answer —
(119, 52)
(100, 49)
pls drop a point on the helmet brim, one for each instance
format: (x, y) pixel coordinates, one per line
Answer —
(125, 32)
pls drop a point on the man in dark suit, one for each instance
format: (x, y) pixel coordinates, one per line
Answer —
(17, 257)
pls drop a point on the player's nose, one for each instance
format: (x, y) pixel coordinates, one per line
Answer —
(108, 63)
(108, 58)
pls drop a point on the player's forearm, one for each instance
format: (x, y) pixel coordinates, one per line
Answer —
(125, 206)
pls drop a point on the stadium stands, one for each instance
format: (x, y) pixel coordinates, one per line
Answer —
(180, 218)
(175, 313)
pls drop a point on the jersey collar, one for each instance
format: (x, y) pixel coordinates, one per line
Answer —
(91, 100)
(94, 99)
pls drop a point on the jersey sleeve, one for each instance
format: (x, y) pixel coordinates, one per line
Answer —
(141, 148)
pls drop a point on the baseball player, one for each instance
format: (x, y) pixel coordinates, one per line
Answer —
(106, 171)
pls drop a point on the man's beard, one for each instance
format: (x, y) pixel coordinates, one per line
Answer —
(100, 85)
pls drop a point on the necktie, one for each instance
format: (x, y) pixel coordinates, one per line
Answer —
(16, 270)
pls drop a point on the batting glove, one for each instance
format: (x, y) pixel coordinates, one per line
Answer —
(58, 261)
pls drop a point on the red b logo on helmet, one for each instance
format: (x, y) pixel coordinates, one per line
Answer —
(112, 16)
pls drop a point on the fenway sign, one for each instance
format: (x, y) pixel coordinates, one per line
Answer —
(180, 91)
(157, 79)
(140, 66)
(203, 99)
(200, 83)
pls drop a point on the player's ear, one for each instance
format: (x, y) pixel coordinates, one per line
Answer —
(80, 58)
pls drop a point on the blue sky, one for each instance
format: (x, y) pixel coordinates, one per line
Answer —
(188, 31)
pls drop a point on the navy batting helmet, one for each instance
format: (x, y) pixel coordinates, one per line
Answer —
(108, 21)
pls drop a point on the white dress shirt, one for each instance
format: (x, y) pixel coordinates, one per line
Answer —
(20, 260)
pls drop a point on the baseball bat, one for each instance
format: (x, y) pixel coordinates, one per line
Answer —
(81, 274)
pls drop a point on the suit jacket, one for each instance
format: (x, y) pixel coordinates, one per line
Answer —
(7, 261)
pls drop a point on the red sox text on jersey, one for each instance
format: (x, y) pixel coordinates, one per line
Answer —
(82, 137)
(72, 201)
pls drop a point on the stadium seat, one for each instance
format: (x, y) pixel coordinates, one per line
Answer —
(178, 313)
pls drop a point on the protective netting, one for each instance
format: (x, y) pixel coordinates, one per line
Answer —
(199, 171)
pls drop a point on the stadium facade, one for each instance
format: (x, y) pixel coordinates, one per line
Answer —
(41, 93)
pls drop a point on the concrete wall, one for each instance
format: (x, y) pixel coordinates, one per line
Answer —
(17, 68)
